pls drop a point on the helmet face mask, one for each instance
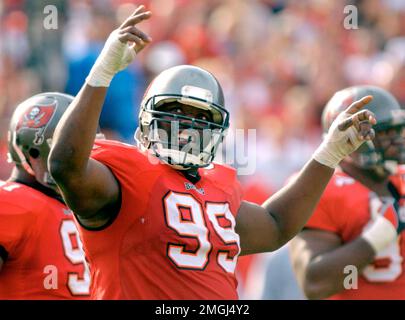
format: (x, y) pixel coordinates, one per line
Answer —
(180, 140)
(386, 151)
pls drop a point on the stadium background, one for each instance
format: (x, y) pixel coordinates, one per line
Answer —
(279, 61)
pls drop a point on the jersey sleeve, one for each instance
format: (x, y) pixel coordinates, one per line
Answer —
(15, 226)
(238, 192)
(131, 170)
(323, 217)
(238, 195)
(333, 209)
(124, 161)
(226, 178)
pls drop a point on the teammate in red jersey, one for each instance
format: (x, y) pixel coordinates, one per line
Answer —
(356, 228)
(161, 220)
(41, 255)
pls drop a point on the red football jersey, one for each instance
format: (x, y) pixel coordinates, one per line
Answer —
(172, 239)
(344, 209)
(45, 259)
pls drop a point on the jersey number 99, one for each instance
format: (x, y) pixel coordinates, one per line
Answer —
(196, 227)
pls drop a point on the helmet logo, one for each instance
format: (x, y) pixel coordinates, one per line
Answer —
(37, 117)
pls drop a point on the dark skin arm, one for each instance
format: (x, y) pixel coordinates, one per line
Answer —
(1, 263)
(319, 259)
(268, 227)
(88, 186)
(283, 215)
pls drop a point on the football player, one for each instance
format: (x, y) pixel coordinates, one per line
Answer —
(161, 220)
(352, 247)
(41, 255)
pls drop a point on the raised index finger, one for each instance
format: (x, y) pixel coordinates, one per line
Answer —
(137, 16)
(357, 105)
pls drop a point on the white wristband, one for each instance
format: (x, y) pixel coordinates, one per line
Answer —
(324, 156)
(336, 146)
(380, 234)
(99, 78)
(114, 57)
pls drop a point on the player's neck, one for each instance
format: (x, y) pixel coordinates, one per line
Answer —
(21, 176)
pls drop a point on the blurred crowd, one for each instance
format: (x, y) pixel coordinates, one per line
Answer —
(279, 61)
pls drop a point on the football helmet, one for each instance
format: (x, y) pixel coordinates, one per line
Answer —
(372, 154)
(30, 133)
(186, 85)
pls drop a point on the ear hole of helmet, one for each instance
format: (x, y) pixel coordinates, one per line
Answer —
(34, 153)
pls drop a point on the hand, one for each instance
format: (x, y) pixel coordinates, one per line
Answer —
(127, 32)
(349, 130)
(120, 49)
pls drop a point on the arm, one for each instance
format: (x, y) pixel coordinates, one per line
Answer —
(319, 259)
(283, 215)
(16, 222)
(89, 187)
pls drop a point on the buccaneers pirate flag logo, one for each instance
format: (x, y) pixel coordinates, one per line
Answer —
(37, 117)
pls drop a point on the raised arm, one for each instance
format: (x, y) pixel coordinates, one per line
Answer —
(89, 187)
(282, 216)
